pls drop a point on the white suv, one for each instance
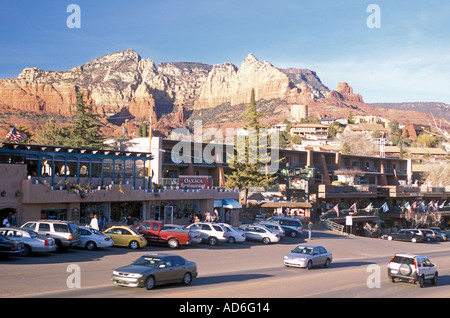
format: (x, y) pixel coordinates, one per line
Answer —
(210, 232)
(412, 268)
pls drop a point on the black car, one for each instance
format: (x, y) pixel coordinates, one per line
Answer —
(8, 246)
(406, 235)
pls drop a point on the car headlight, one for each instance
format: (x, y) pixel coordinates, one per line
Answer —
(134, 275)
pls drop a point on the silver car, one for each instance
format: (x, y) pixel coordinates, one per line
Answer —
(273, 226)
(307, 255)
(260, 234)
(92, 239)
(32, 242)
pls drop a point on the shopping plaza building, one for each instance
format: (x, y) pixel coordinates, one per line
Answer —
(38, 181)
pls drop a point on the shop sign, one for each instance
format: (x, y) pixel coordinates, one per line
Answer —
(195, 182)
(306, 173)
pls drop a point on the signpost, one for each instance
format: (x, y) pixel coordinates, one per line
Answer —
(301, 180)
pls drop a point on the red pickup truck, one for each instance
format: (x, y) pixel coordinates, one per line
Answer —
(154, 233)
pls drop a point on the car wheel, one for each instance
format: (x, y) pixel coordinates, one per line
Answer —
(150, 283)
(428, 239)
(293, 234)
(390, 238)
(231, 240)
(134, 245)
(26, 250)
(266, 240)
(421, 282)
(309, 265)
(173, 243)
(414, 240)
(435, 278)
(187, 279)
(90, 246)
(212, 241)
(327, 263)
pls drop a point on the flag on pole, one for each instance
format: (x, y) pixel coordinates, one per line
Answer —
(336, 208)
(385, 207)
(407, 206)
(16, 136)
(369, 207)
(442, 204)
(353, 207)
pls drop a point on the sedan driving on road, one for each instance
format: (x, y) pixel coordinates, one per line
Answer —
(155, 269)
(307, 256)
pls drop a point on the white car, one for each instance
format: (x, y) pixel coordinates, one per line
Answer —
(210, 232)
(260, 234)
(412, 268)
(233, 234)
(92, 239)
(31, 240)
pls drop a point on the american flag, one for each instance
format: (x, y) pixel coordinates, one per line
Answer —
(16, 136)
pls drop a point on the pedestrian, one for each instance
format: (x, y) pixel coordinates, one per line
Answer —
(129, 220)
(94, 223)
(6, 222)
(101, 223)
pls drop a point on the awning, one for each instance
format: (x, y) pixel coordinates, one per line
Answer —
(231, 204)
(302, 205)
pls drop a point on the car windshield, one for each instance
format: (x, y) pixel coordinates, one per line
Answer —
(303, 250)
(149, 261)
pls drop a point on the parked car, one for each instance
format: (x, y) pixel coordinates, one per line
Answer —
(194, 236)
(10, 247)
(428, 234)
(210, 232)
(66, 234)
(292, 227)
(412, 268)
(91, 239)
(233, 234)
(259, 233)
(151, 270)
(307, 256)
(274, 227)
(154, 232)
(126, 237)
(406, 235)
(440, 235)
(32, 242)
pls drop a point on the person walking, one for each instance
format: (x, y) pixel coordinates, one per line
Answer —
(94, 223)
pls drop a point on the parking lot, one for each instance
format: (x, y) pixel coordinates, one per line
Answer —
(247, 269)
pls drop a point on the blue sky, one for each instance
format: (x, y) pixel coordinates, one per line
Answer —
(407, 59)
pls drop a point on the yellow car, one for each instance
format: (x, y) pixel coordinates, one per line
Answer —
(125, 236)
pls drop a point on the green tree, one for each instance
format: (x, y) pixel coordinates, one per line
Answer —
(85, 131)
(51, 134)
(247, 168)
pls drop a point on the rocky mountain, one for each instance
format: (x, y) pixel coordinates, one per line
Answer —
(123, 86)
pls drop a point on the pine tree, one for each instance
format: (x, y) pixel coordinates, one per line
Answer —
(51, 134)
(247, 167)
(85, 130)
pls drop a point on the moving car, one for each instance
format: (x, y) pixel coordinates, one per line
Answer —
(8, 247)
(91, 239)
(32, 242)
(260, 234)
(126, 237)
(155, 269)
(412, 268)
(210, 232)
(233, 234)
(66, 234)
(307, 256)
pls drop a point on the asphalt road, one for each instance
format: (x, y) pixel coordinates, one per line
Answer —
(243, 270)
